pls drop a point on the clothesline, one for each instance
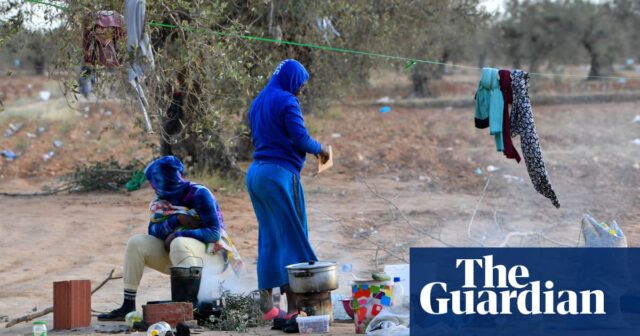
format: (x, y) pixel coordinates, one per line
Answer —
(409, 61)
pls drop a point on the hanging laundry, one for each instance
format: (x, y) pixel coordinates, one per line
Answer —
(138, 42)
(103, 31)
(326, 28)
(507, 94)
(522, 124)
(489, 105)
(139, 49)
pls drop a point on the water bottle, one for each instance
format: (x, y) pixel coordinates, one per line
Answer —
(398, 293)
(39, 328)
(133, 317)
(158, 329)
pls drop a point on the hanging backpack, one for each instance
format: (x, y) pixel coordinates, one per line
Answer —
(102, 35)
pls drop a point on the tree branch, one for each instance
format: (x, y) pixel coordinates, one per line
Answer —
(29, 317)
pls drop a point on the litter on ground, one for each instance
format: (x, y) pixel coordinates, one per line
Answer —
(9, 155)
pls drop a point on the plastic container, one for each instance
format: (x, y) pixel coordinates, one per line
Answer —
(318, 324)
(39, 328)
(401, 271)
(133, 317)
(369, 299)
(397, 300)
(158, 329)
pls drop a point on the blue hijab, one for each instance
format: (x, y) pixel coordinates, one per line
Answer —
(166, 177)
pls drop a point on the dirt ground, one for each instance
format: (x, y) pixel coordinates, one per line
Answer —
(402, 179)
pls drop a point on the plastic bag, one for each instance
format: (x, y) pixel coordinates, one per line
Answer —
(600, 234)
(389, 322)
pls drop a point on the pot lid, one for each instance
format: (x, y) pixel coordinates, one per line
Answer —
(311, 265)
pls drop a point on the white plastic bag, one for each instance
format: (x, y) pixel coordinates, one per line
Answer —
(597, 234)
(389, 323)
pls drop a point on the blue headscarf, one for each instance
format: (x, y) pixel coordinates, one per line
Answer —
(166, 177)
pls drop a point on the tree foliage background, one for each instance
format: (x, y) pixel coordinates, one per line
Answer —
(220, 73)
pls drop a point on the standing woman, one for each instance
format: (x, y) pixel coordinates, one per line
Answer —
(281, 143)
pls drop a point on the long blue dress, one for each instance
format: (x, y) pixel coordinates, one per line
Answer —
(281, 142)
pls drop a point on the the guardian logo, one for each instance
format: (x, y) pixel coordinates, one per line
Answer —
(503, 289)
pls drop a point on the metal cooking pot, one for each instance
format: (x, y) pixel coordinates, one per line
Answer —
(313, 277)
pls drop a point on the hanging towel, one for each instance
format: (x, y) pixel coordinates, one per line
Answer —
(507, 93)
(522, 124)
(489, 105)
(140, 54)
(138, 44)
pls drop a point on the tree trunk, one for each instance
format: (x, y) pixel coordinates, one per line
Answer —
(419, 79)
(39, 67)
(601, 65)
(442, 69)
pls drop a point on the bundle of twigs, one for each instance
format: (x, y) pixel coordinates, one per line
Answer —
(241, 312)
(107, 175)
(100, 176)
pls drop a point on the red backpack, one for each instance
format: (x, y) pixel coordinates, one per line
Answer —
(103, 32)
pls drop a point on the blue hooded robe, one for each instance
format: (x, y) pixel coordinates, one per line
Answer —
(281, 143)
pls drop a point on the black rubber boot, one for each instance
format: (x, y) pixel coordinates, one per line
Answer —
(185, 283)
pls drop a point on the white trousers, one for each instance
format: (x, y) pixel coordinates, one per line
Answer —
(145, 250)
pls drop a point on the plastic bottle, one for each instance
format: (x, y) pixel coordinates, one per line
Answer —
(397, 297)
(133, 317)
(39, 328)
(158, 329)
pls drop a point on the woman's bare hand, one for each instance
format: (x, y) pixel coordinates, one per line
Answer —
(323, 156)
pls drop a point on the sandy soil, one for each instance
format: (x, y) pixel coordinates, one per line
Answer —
(402, 179)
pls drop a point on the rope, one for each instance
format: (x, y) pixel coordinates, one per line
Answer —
(409, 62)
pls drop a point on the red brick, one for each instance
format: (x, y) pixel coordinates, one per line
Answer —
(71, 304)
(170, 312)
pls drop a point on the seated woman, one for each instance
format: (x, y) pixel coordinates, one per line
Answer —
(185, 218)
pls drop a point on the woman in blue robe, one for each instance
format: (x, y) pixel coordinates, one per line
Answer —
(281, 143)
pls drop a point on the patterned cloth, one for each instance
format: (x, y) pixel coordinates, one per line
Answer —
(103, 31)
(161, 210)
(522, 124)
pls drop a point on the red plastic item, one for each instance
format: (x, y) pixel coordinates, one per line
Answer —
(376, 309)
(365, 293)
(362, 313)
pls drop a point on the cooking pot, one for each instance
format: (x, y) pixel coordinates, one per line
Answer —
(313, 277)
